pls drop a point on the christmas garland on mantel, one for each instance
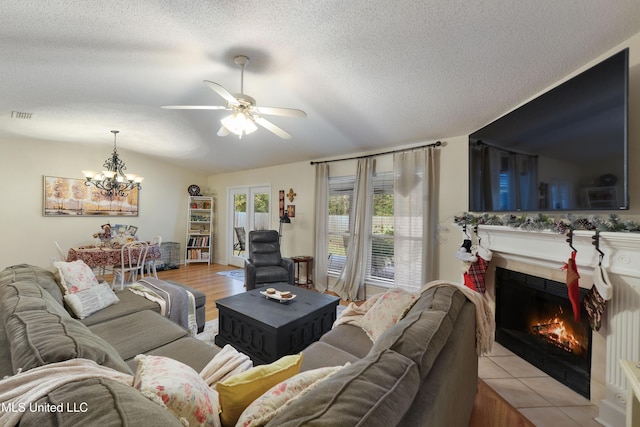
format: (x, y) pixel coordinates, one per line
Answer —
(542, 222)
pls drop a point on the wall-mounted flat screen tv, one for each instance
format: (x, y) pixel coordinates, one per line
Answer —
(566, 150)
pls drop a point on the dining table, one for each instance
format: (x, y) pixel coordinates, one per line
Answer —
(101, 256)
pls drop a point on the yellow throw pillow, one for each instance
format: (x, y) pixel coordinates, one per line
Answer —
(240, 390)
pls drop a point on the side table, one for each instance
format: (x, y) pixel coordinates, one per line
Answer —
(308, 261)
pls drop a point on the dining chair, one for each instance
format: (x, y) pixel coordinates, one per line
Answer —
(132, 258)
(63, 256)
(241, 237)
(151, 263)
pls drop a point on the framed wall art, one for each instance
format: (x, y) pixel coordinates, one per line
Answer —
(280, 203)
(71, 197)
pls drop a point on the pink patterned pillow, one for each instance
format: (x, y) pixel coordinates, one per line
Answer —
(179, 388)
(387, 311)
(274, 400)
(74, 276)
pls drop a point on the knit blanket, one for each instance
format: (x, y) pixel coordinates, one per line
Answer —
(25, 388)
(176, 303)
(226, 363)
(485, 320)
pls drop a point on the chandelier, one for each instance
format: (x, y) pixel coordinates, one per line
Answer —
(113, 182)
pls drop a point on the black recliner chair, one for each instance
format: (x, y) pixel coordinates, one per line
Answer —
(265, 264)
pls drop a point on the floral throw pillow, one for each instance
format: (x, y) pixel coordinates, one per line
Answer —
(179, 388)
(276, 399)
(388, 310)
(74, 276)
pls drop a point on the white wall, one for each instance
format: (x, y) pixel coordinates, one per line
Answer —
(27, 236)
(453, 186)
(297, 237)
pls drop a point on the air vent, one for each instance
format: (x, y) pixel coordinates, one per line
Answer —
(21, 115)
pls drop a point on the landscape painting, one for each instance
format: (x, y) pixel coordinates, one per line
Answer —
(71, 197)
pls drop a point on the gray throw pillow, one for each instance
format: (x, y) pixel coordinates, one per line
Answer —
(375, 391)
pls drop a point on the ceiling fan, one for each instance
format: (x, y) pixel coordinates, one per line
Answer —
(245, 113)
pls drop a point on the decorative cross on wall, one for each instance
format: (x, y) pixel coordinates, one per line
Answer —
(291, 195)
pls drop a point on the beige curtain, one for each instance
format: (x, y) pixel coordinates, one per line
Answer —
(350, 284)
(322, 227)
(415, 212)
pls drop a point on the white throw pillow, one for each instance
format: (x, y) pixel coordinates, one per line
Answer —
(88, 301)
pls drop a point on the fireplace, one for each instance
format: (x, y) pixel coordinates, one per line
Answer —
(534, 319)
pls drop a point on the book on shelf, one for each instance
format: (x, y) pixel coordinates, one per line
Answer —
(199, 241)
(197, 254)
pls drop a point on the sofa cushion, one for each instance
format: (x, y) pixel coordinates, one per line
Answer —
(31, 273)
(129, 303)
(271, 274)
(88, 301)
(374, 391)
(187, 350)
(178, 388)
(26, 296)
(320, 354)
(239, 390)
(138, 333)
(38, 337)
(98, 402)
(350, 338)
(5, 355)
(425, 330)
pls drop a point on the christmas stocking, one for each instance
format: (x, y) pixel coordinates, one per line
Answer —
(594, 304)
(573, 285)
(464, 253)
(474, 278)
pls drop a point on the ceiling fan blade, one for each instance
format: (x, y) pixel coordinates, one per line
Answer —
(194, 107)
(273, 128)
(222, 92)
(285, 112)
(223, 131)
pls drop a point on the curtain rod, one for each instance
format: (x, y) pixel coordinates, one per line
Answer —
(435, 144)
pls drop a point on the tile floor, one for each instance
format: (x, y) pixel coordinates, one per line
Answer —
(540, 398)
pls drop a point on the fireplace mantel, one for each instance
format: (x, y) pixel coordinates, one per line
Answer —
(551, 250)
(621, 327)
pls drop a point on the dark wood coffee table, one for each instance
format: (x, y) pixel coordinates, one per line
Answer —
(266, 329)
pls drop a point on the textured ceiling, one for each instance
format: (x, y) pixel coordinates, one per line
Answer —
(370, 74)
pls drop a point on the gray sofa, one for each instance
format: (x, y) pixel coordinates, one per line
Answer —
(35, 329)
(422, 371)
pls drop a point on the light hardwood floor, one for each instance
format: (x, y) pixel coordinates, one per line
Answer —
(490, 409)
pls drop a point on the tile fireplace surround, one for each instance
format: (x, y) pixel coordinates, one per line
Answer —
(542, 254)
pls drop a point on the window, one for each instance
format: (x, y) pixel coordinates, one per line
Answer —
(380, 268)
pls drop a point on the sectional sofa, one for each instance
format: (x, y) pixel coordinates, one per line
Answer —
(422, 371)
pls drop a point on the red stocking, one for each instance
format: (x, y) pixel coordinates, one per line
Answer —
(475, 277)
(573, 285)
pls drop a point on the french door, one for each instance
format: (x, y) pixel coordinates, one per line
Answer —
(249, 209)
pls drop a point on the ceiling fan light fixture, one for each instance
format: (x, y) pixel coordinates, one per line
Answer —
(239, 124)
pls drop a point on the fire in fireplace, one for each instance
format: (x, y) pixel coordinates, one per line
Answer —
(558, 334)
(534, 319)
